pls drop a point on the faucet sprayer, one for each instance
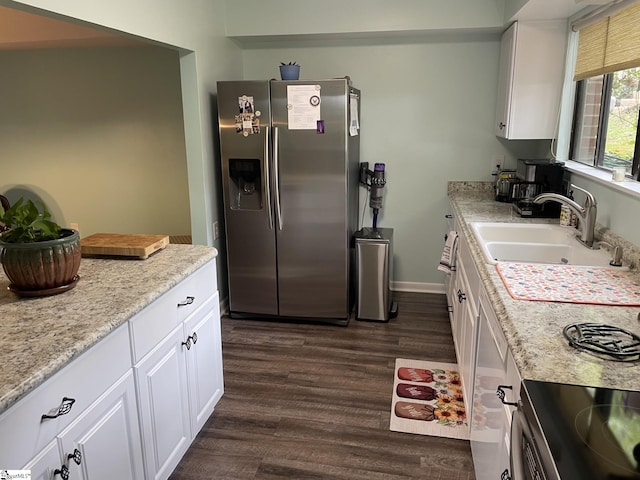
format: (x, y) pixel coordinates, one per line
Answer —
(586, 213)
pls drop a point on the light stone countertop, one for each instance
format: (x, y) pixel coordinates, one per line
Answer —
(533, 329)
(39, 336)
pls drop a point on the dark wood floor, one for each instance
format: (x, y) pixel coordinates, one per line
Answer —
(305, 401)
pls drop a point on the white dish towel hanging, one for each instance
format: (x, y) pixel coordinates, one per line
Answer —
(448, 258)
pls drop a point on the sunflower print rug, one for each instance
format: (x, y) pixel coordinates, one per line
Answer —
(428, 400)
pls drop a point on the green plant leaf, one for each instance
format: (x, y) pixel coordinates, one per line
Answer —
(26, 224)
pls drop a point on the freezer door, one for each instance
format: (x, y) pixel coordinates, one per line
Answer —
(244, 115)
(313, 225)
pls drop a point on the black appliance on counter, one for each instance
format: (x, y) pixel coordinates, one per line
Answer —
(534, 177)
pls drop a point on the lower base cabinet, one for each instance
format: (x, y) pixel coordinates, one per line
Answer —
(176, 381)
(496, 389)
(130, 406)
(102, 444)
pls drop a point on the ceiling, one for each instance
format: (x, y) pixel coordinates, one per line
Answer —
(21, 30)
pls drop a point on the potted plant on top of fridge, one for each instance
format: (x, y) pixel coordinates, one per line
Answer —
(289, 71)
(38, 256)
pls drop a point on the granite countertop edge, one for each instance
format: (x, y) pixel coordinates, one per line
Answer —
(39, 336)
(533, 329)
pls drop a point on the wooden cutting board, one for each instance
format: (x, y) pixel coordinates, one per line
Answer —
(122, 245)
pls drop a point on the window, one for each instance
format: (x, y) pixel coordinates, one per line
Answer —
(607, 70)
(605, 127)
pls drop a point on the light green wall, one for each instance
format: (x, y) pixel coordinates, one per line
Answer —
(196, 29)
(616, 209)
(428, 110)
(98, 134)
(255, 18)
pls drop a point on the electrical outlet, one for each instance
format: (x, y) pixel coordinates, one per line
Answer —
(216, 230)
(497, 163)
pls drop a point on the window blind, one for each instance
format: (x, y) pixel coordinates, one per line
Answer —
(610, 44)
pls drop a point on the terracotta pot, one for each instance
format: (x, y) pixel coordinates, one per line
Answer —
(44, 268)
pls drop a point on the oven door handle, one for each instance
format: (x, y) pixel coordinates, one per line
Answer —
(516, 459)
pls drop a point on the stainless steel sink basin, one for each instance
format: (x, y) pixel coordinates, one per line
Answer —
(535, 243)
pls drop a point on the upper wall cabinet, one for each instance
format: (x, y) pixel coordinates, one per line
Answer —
(532, 58)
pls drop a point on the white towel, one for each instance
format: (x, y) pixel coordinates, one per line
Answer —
(448, 258)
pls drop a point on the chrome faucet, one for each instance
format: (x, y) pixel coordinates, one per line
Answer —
(586, 213)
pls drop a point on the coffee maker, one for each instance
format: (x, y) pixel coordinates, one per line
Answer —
(536, 176)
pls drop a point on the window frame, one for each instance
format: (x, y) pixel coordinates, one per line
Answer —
(603, 119)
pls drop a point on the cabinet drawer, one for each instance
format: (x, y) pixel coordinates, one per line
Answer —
(156, 321)
(23, 431)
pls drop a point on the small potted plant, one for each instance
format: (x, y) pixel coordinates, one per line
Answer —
(38, 256)
(289, 71)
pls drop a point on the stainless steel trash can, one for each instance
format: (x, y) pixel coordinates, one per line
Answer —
(374, 267)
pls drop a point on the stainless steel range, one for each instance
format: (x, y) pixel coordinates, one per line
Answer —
(572, 432)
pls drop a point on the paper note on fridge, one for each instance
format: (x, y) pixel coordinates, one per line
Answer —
(303, 105)
(354, 122)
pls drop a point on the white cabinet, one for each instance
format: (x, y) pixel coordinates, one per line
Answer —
(179, 380)
(464, 319)
(530, 77)
(103, 438)
(204, 363)
(130, 406)
(104, 443)
(164, 405)
(31, 424)
(497, 388)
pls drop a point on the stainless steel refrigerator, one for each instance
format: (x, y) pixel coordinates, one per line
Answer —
(290, 166)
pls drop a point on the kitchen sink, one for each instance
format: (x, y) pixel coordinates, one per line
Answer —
(535, 243)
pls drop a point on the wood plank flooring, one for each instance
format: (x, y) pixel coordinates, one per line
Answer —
(312, 401)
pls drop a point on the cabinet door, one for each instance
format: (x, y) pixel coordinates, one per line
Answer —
(204, 362)
(530, 79)
(104, 443)
(505, 81)
(161, 379)
(43, 465)
(490, 422)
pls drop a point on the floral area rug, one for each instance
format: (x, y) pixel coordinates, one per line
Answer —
(427, 400)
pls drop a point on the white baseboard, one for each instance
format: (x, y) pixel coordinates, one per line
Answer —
(417, 287)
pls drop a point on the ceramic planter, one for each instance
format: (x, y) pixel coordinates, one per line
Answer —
(42, 268)
(289, 72)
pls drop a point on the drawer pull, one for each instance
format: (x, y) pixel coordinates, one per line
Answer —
(188, 301)
(63, 471)
(191, 339)
(505, 475)
(76, 456)
(500, 393)
(461, 296)
(63, 409)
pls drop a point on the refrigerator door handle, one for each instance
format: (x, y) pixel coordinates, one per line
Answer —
(267, 175)
(276, 177)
